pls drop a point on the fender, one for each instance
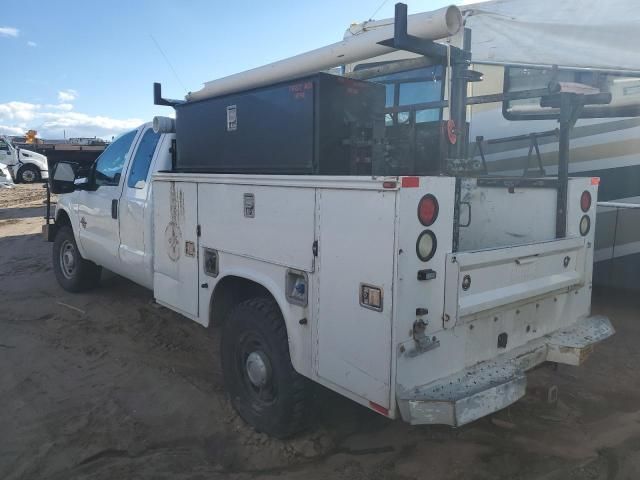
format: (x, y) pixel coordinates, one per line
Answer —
(34, 158)
(74, 225)
(299, 335)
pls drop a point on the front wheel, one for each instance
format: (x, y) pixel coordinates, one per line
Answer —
(74, 273)
(28, 174)
(264, 388)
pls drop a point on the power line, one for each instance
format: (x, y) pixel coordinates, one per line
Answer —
(378, 9)
(168, 62)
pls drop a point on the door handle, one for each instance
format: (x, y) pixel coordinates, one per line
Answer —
(526, 260)
(114, 208)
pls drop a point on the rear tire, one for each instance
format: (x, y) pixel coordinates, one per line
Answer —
(28, 174)
(264, 388)
(74, 273)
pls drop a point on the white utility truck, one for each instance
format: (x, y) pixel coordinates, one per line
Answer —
(279, 205)
(24, 166)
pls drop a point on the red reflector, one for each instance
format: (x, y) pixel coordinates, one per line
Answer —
(379, 409)
(452, 135)
(595, 180)
(410, 182)
(428, 210)
(585, 201)
(389, 184)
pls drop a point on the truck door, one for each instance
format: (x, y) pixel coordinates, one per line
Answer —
(99, 231)
(135, 222)
(6, 153)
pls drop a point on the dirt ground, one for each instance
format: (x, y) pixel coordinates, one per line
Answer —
(106, 385)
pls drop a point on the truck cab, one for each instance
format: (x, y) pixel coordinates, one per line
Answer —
(106, 218)
(23, 165)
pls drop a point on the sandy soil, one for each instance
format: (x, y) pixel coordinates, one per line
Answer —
(107, 385)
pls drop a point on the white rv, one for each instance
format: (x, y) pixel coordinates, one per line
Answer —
(281, 208)
(515, 44)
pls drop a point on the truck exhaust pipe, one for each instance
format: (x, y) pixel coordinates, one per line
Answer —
(364, 44)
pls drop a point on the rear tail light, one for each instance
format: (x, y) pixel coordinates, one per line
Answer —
(585, 225)
(585, 201)
(426, 245)
(428, 210)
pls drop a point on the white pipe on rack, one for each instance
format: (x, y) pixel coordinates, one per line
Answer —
(434, 25)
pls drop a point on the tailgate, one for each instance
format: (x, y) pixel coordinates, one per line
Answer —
(490, 279)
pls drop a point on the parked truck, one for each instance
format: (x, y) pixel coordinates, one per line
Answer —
(280, 207)
(24, 166)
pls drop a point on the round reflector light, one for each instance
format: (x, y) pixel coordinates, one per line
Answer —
(585, 201)
(426, 245)
(428, 210)
(585, 225)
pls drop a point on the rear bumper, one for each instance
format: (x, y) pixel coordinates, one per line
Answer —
(493, 385)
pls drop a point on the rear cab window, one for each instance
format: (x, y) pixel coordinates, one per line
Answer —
(409, 88)
(142, 160)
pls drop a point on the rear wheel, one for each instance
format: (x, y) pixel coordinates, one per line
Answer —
(28, 174)
(74, 273)
(264, 388)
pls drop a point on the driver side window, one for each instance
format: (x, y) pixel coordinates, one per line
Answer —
(109, 164)
(3, 145)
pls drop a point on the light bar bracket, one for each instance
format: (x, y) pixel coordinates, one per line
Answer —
(158, 100)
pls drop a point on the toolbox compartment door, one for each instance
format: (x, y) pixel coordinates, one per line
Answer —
(490, 279)
(175, 261)
(356, 252)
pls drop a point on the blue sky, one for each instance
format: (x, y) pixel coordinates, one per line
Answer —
(87, 68)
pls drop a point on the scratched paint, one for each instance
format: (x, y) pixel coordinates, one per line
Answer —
(173, 233)
(176, 204)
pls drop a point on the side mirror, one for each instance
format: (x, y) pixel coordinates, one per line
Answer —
(63, 177)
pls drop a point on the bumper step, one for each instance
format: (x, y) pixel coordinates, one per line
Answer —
(493, 385)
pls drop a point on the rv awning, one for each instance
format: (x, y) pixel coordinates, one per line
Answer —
(574, 33)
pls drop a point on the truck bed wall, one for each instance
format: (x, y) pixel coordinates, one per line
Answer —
(498, 217)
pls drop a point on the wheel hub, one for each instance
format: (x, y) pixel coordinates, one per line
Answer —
(258, 369)
(28, 176)
(68, 259)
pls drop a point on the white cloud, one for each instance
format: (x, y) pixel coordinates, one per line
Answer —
(18, 111)
(7, 130)
(9, 32)
(32, 44)
(53, 121)
(67, 107)
(68, 95)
